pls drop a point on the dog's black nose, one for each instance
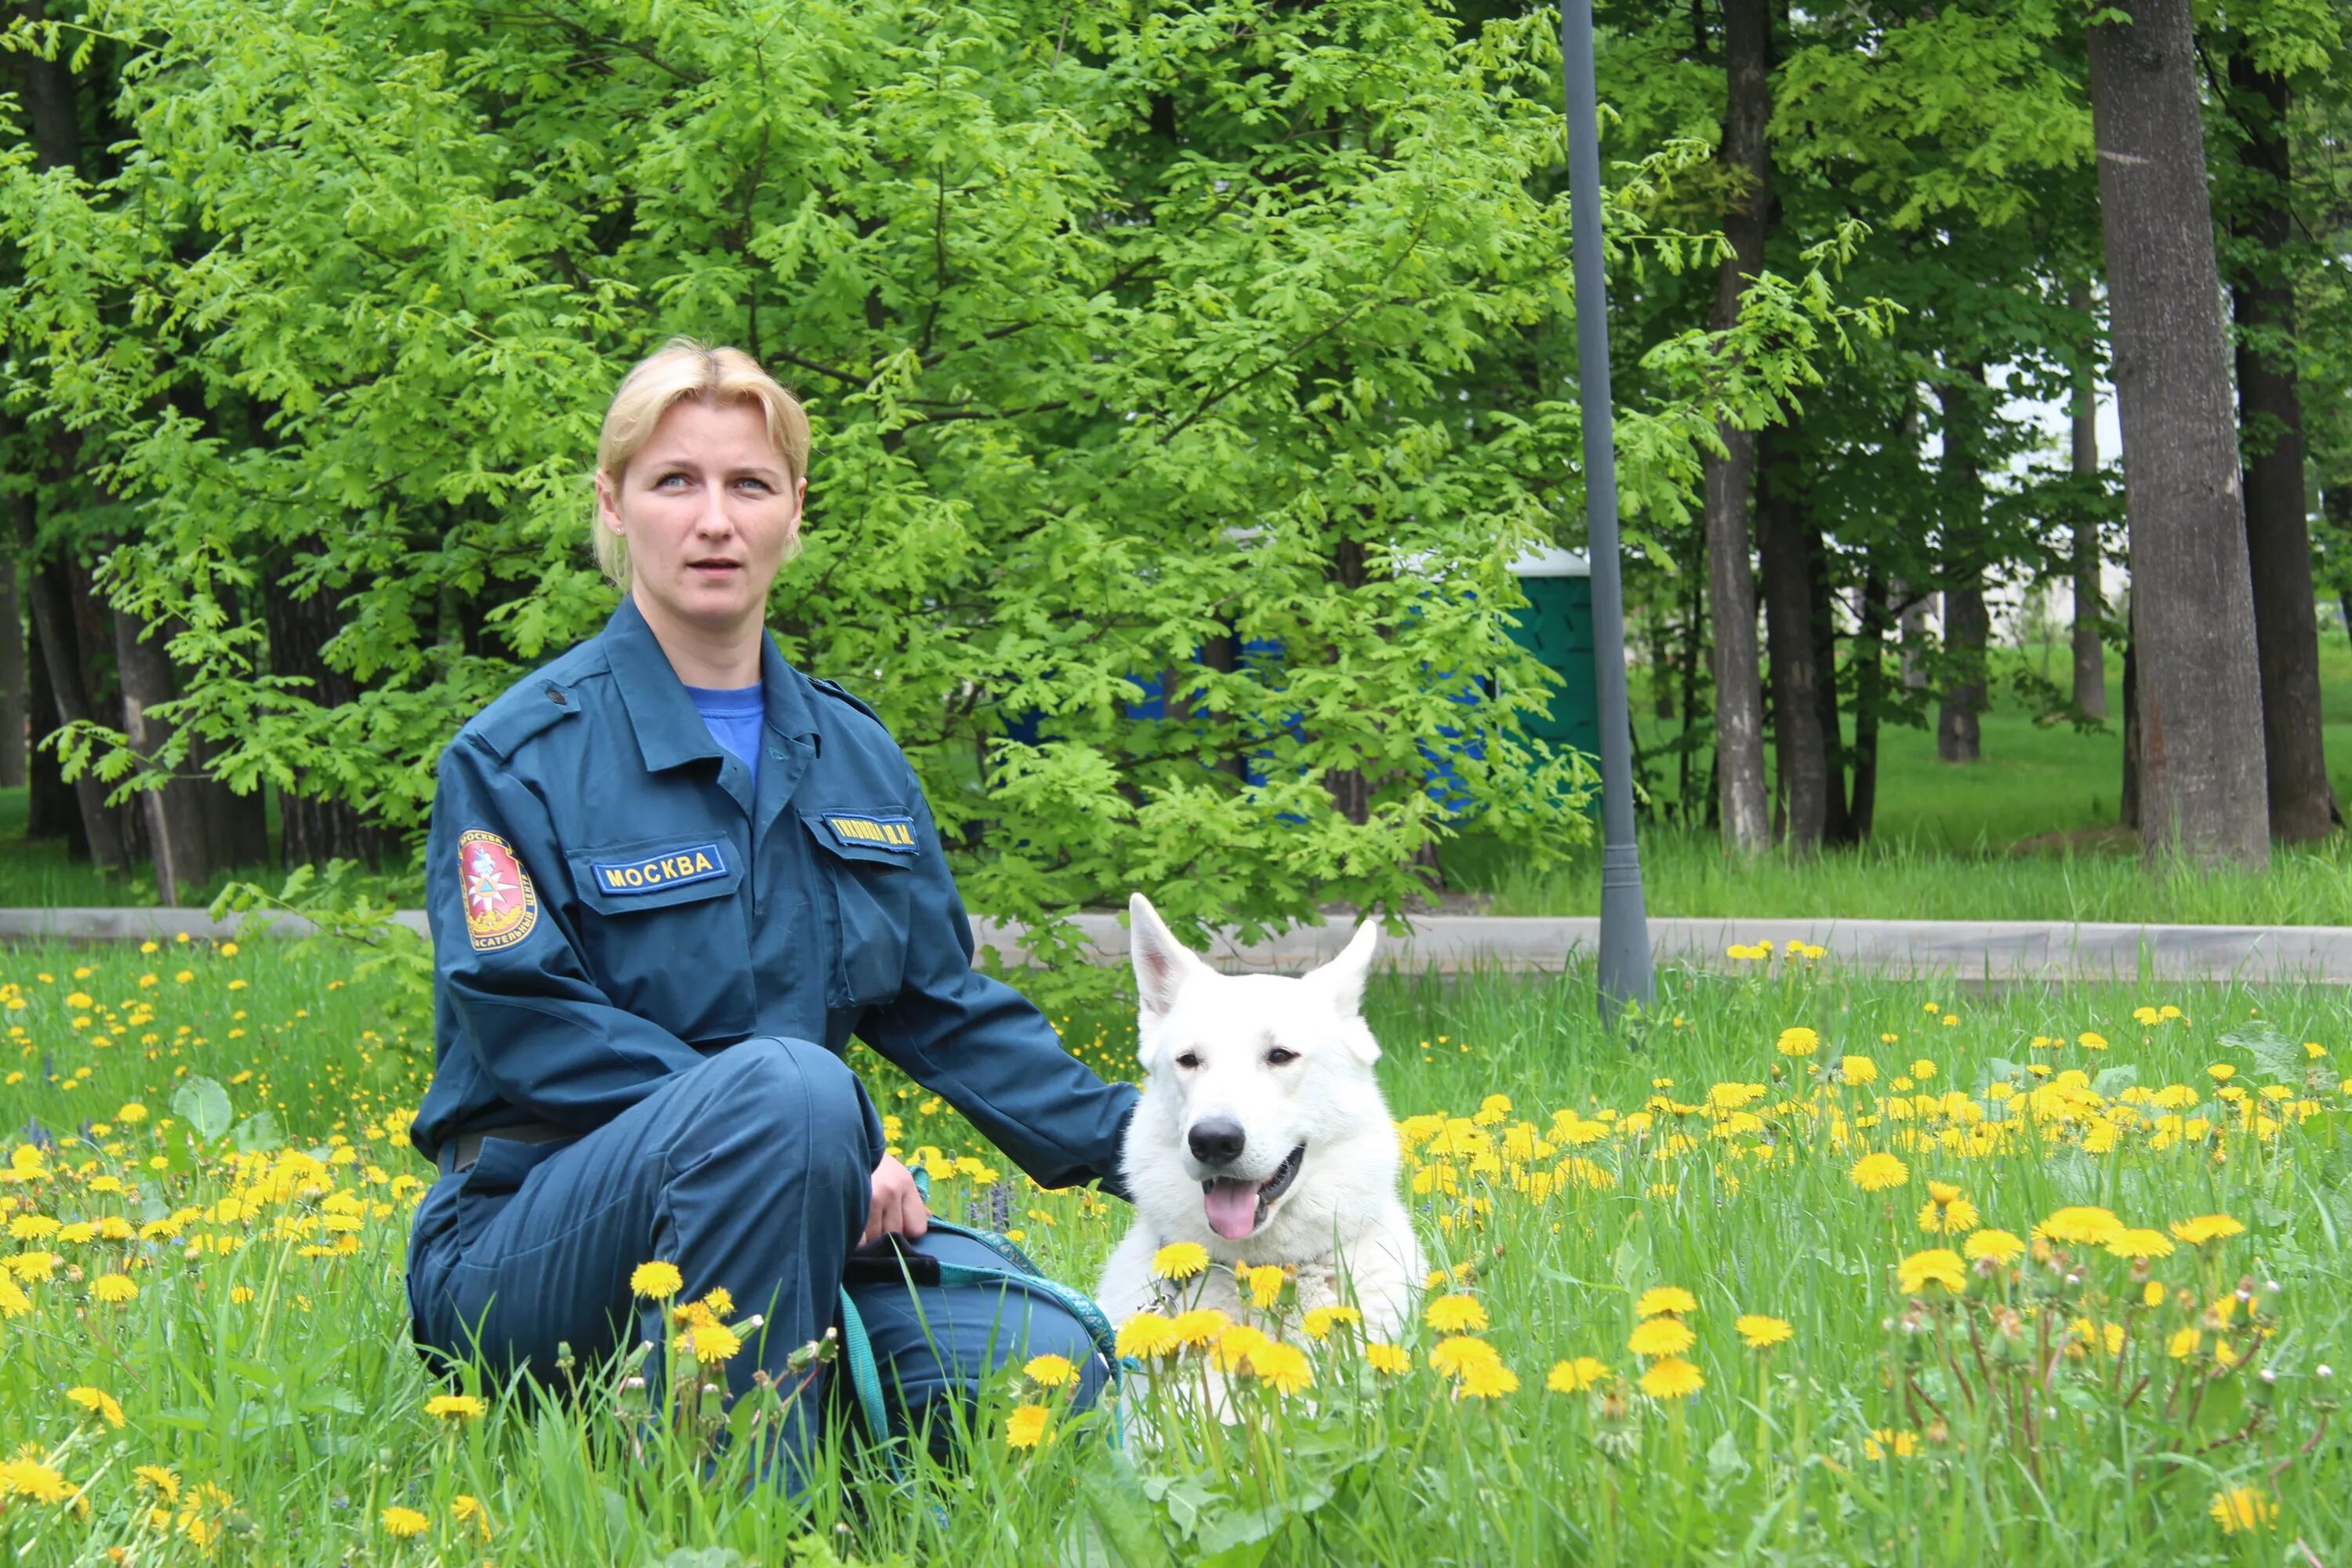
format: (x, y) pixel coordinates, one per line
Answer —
(1217, 1141)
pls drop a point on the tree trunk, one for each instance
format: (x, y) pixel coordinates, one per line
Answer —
(178, 833)
(2090, 610)
(1822, 615)
(61, 652)
(12, 678)
(51, 811)
(312, 830)
(2269, 434)
(1959, 738)
(2127, 803)
(2202, 784)
(1869, 688)
(1694, 636)
(1738, 691)
(1798, 744)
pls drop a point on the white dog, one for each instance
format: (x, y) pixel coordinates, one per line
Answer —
(1261, 1135)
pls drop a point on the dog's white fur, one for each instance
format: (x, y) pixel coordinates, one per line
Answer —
(1205, 1041)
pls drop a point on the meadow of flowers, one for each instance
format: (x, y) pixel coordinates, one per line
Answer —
(1832, 1269)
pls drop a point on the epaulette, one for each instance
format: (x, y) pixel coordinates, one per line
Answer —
(535, 705)
(834, 688)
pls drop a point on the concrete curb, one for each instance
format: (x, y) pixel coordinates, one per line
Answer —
(1450, 944)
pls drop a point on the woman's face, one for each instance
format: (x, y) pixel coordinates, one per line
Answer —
(709, 514)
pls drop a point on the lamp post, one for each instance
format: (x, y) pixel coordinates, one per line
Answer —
(1626, 975)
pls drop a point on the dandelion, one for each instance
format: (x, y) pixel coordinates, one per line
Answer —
(1857, 1069)
(712, 1343)
(1389, 1359)
(1320, 1322)
(1998, 1247)
(33, 1227)
(1937, 1266)
(456, 1409)
(1199, 1326)
(1884, 1441)
(161, 1480)
(1947, 1210)
(2141, 1244)
(718, 1303)
(1283, 1368)
(1660, 1299)
(2221, 1072)
(2241, 1507)
(132, 1114)
(465, 1509)
(2184, 1343)
(2091, 1040)
(1879, 1172)
(1760, 1332)
(1451, 1355)
(1146, 1334)
(1456, 1314)
(1179, 1260)
(114, 1289)
(1050, 1370)
(98, 1402)
(1027, 1426)
(1265, 1283)
(1660, 1337)
(14, 1302)
(28, 1477)
(1799, 1041)
(1576, 1376)
(655, 1281)
(2207, 1227)
(405, 1523)
(1487, 1380)
(2083, 1226)
(1673, 1378)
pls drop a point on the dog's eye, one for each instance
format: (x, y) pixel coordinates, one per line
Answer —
(1279, 1055)
(1189, 1059)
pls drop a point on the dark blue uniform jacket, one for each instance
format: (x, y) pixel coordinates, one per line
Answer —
(612, 901)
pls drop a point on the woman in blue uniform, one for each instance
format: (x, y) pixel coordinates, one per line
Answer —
(670, 876)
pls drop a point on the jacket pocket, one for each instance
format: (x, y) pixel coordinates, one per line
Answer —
(665, 933)
(867, 866)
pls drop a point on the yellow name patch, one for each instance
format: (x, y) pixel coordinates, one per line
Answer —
(896, 833)
(671, 868)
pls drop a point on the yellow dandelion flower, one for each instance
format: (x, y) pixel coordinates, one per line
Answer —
(1451, 1354)
(1673, 1378)
(2141, 1244)
(132, 1114)
(114, 1289)
(1761, 1332)
(1179, 1260)
(1235, 1344)
(2091, 1040)
(1799, 1041)
(1661, 1300)
(2083, 1226)
(1857, 1069)
(1283, 1368)
(28, 1477)
(1884, 1441)
(2000, 1246)
(1660, 1337)
(405, 1523)
(14, 1302)
(98, 1402)
(33, 1227)
(464, 1507)
(2221, 1072)
(1265, 1283)
(720, 1304)
(1321, 1321)
(655, 1281)
(2207, 1227)
(1199, 1326)
(1027, 1426)
(1487, 1380)
(712, 1343)
(2184, 1343)
(161, 1479)
(1146, 1334)
(1390, 1360)
(2241, 1507)
(454, 1408)
(1937, 1265)
(1879, 1172)
(1456, 1314)
(1575, 1375)
(1050, 1370)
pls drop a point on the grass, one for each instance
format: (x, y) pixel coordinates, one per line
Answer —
(264, 1365)
(2027, 833)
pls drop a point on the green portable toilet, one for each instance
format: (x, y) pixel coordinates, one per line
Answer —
(1557, 628)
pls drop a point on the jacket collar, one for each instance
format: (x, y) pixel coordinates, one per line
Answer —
(669, 730)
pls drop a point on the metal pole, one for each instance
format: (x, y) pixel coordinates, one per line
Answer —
(1626, 975)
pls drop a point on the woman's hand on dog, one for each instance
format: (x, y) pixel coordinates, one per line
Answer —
(897, 1208)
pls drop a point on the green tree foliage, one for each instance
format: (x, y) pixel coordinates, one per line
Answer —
(1210, 355)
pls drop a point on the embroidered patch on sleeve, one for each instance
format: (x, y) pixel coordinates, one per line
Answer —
(501, 906)
(652, 873)
(896, 833)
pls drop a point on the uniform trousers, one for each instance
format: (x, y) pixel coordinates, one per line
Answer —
(750, 1172)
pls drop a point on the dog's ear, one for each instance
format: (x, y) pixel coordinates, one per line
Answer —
(1344, 976)
(1162, 964)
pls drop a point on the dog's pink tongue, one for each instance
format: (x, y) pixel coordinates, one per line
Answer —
(1232, 1208)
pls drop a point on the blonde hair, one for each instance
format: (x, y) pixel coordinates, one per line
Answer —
(683, 368)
